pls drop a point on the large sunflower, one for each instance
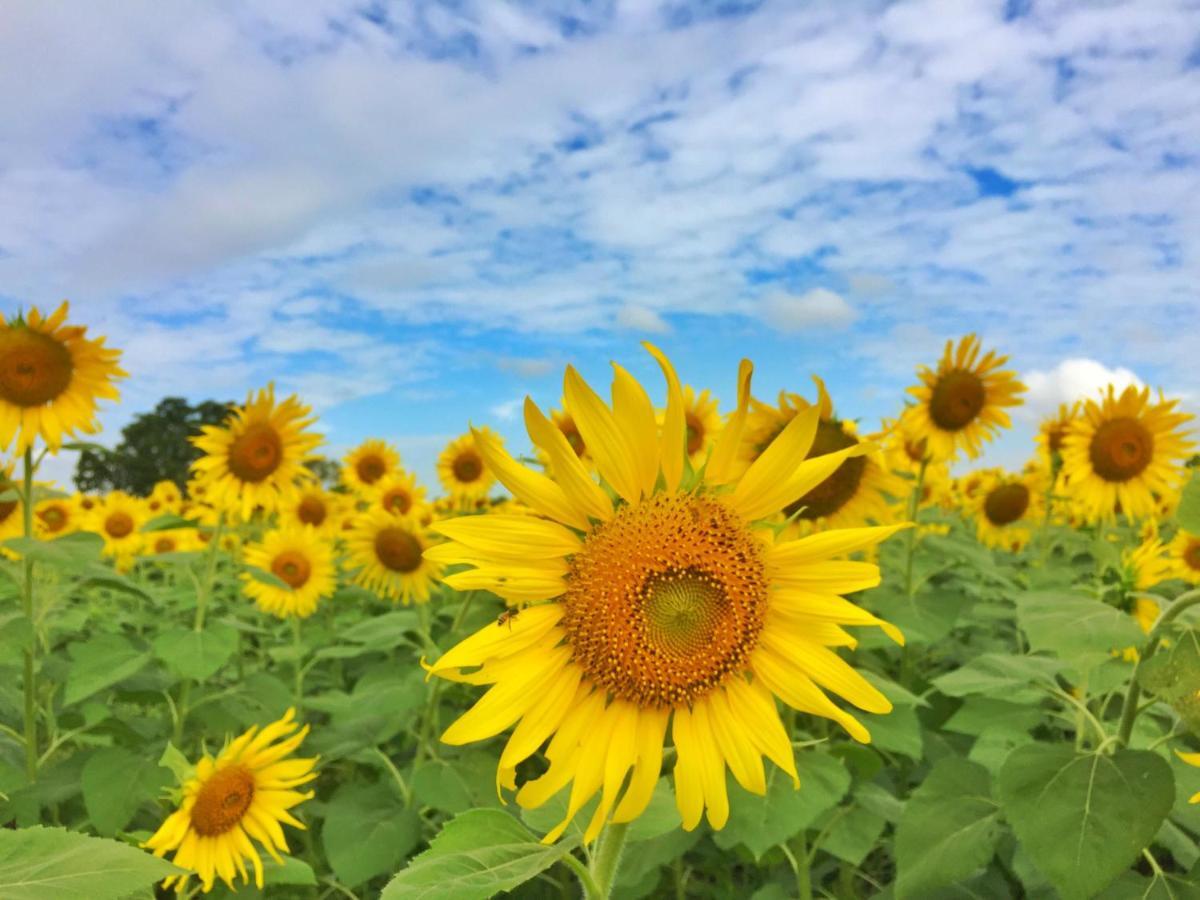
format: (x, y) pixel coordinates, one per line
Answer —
(257, 457)
(1184, 551)
(299, 557)
(367, 463)
(231, 801)
(387, 549)
(51, 375)
(961, 404)
(462, 471)
(664, 606)
(1007, 507)
(1123, 451)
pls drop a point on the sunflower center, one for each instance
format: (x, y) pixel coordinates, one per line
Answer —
(1007, 503)
(695, 434)
(468, 466)
(118, 524)
(292, 567)
(34, 367)
(164, 545)
(370, 469)
(222, 801)
(1191, 556)
(52, 517)
(835, 491)
(957, 399)
(256, 453)
(398, 501)
(398, 550)
(915, 449)
(1054, 437)
(666, 600)
(312, 510)
(1121, 449)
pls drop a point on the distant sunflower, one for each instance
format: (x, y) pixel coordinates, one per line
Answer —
(961, 404)
(233, 800)
(662, 606)
(51, 375)
(315, 507)
(400, 495)
(1124, 451)
(257, 457)
(1052, 431)
(1007, 507)
(300, 558)
(1146, 565)
(388, 553)
(367, 463)
(118, 519)
(462, 471)
(1184, 552)
(164, 498)
(56, 517)
(12, 516)
(171, 540)
(702, 419)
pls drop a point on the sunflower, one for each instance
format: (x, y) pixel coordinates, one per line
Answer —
(702, 419)
(233, 800)
(1052, 431)
(367, 463)
(12, 515)
(1123, 452)
(118, 519)
(302, 560)
(170, 540)
(400, 495)
(55, 517)
(51, 375)
(388, 551)
(165, 497)
(1184, 552)
(257, 457)
(961, 405)
(462, 471)
(1006, 508)
(651, 608)
(315, 507)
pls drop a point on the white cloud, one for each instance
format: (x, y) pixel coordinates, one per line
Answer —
(526, 367)
(817, 308)
(1071, 380)
(507, 410)
(641, 318)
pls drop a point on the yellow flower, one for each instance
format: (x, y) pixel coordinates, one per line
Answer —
(462, 470)
(165, 497)
(299, 557)
(118, 519)
(56, 517)
(1184, 552)
(1053, 429)
(315, 507)
(1122, 452)
(961, 405)
(171, 540)
(368, 462)
(51, 375)
(234, 800)
(1146, 565)
(666, 605)
(702, 419)
(400, 495)
(388, 551)
(257, 457)
(1006, 508)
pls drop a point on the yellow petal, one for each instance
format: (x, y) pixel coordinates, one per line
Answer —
(763, 490)
(494, 640)
(735, 745)
(569, 471)
(634, 414)
(652, 727)
(722, 464)
(674, 435)
(754, 706)
(712, 768)
(834, 576)
(825, 607)
(531, 488)
(516, 536)
(689, 789)
(796, 689)
(827, 544)
(608, 447)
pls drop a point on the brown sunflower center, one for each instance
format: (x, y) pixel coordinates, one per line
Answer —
(916, 449)
(164, 545)
(666, 600)
(468, 466)
(1191, 555)
(256, 453)
(398, 550)
(1054, 437)
(397, 500)
(292, 567)
(1006, 503)
(34, 367)
(53, 517)
(222, 800)
(370, 468)
(957, 399)
(835, 491)
(118, 524)
(7, 507)
(312, 510)
(695, 434)
(1121, 449)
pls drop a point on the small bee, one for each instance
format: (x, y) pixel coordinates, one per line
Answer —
(506, 618)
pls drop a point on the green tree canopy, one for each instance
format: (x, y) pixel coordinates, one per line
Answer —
(154, 447)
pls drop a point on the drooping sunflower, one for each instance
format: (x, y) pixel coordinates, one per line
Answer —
(400, 495)
(1123, 452)
(961, 404)
(234, 800)
(299, 557)
(1007, 507)
(315, 507)
(56, 516)
(388, 551)
(665, 606)
(370, 461)
(118, 519)
(51, 375)
(256, 459)
(1184, 552)
(1052, 430)
(462, 471)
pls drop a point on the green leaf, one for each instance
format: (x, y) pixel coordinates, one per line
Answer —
(992, 672)
(456, 785)
(290, 871)
(1081, 630)
(174, 760)
(949, 828)
(196, 654)
(70, 551)
(852, 833)
(1187, 514)
(898, 731)
(265, 577)
(1084, 818)
(761, 823)
(476, 855)
(56, 864)
(16, 633)
(981, 713)
(367, 832)
(167, 522)
(115, 783)
(99, 663)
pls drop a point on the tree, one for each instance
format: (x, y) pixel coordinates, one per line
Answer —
(154, 447)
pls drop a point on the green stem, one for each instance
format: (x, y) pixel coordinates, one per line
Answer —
(607, 859)
(914, 504)
(31, 735)
(203, 590)
(1129, 710)
(297, 668)
(590, 890)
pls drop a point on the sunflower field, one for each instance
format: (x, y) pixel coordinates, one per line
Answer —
(675, 645)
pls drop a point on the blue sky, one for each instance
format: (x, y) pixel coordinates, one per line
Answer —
(416, 213)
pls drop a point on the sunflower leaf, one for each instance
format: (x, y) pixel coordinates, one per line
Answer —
(1188, 513)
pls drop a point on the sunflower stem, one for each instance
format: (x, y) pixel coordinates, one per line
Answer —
(914, 504)
(203, 590)
(297, 668)
(607, 859)
(590, 890)
(31, 736)
(1130, 710)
